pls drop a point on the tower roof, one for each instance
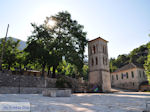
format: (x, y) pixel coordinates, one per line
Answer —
(99, 38)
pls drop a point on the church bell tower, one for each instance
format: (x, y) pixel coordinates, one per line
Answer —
(99, 74)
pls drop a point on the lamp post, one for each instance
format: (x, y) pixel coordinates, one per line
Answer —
(3, 48)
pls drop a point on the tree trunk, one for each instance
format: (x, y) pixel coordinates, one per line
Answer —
(43, 69)
(20, 69)
(49, 71)
(54, 75)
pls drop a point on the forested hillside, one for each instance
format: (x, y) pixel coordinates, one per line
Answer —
(137, 56)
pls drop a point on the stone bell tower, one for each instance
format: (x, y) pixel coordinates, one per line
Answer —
(98, 64)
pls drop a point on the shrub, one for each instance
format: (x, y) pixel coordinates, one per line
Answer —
(63, 83)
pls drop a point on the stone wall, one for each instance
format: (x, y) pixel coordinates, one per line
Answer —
(33, 85)
(128, 82)
(21, 90)
(7, 80)
(129, 86)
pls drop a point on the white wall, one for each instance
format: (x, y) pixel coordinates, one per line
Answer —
(128, 83)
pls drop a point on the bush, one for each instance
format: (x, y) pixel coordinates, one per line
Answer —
(63, 83)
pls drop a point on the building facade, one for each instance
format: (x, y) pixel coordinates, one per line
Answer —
(129, 76)
(98, 64)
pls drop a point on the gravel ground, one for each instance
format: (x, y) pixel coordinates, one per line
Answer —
(116, 102)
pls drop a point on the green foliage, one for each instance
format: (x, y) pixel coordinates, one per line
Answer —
(147, 64)
(48, 44)
(137, 56)
(65, 68)
(10, 53)
(85, 72)
(70, 40)
(112, 65)
(63, 83)
(70, 70)
(119, 62)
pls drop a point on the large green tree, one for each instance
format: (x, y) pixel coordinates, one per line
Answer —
(70, 39)
(37, 53)
(50, 42)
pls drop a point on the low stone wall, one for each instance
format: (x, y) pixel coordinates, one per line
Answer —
(21, 90)
(9, 90)
(10, 83)
(55, 92)
(8, 80)
(130, 86)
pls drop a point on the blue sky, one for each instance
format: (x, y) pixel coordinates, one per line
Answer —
(124, 23)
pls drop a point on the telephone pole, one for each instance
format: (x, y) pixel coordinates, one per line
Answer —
(3, 48)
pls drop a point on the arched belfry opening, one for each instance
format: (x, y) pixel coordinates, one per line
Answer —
(99, 74)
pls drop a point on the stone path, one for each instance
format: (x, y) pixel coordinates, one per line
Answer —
(116, 102)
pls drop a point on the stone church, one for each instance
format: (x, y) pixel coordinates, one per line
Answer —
(99, 74)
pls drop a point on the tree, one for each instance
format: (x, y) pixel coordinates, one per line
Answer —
(67, 69)
(112, 65)
(11, 51)
(48, 44)
(37, 53)
(85, 72)
(137, 56)
(147, 64)
(119, 62)
(70, 39)
(21, 58)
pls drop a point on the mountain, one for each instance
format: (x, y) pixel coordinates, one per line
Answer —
(22, 43)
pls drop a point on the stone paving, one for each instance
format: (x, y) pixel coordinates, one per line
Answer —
(112, 102)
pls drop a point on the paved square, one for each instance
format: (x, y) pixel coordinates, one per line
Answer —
(116, 102)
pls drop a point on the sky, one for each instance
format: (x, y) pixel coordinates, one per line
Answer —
(124, 23)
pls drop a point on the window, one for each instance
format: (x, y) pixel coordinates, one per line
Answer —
(116, 76)
(90, 50)
(103, 49)
(96, 61)
(122, 75)
(94, 49)
(105, 61)
(132, 73)
(127, 75)
(92, 62)
(140, 74)
(133, 83)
